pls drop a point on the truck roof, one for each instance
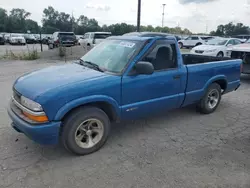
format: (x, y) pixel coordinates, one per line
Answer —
(140, 38)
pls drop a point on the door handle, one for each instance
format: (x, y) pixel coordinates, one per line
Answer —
(176, 77)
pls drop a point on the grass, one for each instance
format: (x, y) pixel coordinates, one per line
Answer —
(29, 55)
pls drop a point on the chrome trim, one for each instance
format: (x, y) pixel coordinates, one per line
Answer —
(26, 109)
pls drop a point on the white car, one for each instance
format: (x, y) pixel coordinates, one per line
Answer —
(216, 47)
(192, 41)
(17, 39)
(91, 39)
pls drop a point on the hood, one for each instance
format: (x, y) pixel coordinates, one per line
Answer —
(207, 47)
(38, 82)
(241, 47)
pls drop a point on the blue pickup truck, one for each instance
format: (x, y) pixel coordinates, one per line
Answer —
(123, 78)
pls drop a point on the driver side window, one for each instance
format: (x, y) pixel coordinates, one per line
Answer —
(162, 56)
(230, 42)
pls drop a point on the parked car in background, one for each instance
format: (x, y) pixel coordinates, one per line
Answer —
(215, 47)
(17, 39)
(45, 40)
(243, 38)
(76, 103)
(241, 51)
(62, 38)
(30, 39)
(192, 41)
(7, 37)
(78, 38)
(91, 39)
(2, 39)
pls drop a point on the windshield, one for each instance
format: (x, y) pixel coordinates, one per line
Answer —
(67, 36)
(217, 42)
(113, 55)
(102, 35)
(206, 38)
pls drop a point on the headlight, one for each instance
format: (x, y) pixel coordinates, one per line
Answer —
(31, 104)
(208, 51)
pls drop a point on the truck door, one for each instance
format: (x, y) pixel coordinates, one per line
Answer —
(147, 94)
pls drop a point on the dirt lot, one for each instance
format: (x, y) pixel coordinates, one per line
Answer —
(180, 149)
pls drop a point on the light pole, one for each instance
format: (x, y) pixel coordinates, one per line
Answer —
(139, 16)
(163, 9)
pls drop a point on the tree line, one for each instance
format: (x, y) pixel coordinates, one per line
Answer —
(17, 21)
(231, 29)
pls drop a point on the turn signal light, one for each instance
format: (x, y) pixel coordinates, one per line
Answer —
(40, 119)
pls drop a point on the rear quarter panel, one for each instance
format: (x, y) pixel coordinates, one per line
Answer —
(200, 76)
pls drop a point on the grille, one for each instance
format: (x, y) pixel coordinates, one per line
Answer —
(199, 51)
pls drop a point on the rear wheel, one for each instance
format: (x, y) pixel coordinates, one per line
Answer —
(85, 130)
(211, 99)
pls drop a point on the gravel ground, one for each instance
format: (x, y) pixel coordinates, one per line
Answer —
(179, 149)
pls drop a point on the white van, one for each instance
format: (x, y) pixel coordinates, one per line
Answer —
(91, 39)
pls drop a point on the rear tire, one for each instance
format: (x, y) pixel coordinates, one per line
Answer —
(85, 130)
(210, 100)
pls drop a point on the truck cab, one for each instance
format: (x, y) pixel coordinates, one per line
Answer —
(122, 78)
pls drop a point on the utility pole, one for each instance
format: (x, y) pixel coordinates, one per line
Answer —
(163, 9)
(72, 22)
(139, 16)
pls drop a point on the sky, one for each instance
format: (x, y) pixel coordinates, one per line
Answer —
(196, 15)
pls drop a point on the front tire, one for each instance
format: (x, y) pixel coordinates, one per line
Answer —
(220, 54)
(180, 45)
(210, 100)
(85, 130)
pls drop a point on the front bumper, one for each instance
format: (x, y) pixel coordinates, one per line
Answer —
(45, 134)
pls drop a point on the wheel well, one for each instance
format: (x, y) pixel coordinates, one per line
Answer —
(220, 52)
(105, 106)
(222, 83)
(198, 44)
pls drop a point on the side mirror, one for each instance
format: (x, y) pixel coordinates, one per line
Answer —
(144, 67)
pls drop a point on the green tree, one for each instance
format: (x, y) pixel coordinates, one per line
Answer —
(17, 19)
(231, 29)
(3, 19)
(32, 26)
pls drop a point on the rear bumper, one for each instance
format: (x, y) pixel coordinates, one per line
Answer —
(46, 134)
(232, 86)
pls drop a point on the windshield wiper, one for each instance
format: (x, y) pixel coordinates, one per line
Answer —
(93, 65)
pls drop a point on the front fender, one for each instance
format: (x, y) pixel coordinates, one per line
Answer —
(85, 100)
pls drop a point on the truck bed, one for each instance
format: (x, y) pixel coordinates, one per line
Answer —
(189, 59)
(201, 70)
